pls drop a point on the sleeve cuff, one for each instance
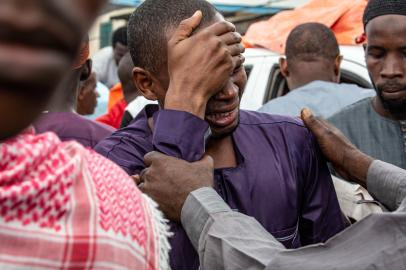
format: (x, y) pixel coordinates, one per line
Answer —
(382, 184)
(198, 208)
(180, 134)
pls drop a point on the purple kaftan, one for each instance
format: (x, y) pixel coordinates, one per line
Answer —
(281, 179)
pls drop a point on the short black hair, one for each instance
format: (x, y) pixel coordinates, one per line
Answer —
(311, 42)
(150, 22)
(120, 35)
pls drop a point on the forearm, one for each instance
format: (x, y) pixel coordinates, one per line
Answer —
(357, 165)
(387, 183)
(229, 240)
(179, 134)
(223, 238)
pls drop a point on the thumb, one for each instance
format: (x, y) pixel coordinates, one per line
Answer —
(151, 157)
(186, 27)
(207, 161)
(137, 179)
(311, 122)
(314, 124)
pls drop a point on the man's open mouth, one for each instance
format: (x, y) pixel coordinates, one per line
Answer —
(222, 119)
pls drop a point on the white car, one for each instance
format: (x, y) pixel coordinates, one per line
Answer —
(265, 81)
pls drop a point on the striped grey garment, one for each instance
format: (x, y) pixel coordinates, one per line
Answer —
(403, 128)
(377, 136)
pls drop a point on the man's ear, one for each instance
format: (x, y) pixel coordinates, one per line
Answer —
(283, 65)
(145, 83)
(86, 70)
(337, 66)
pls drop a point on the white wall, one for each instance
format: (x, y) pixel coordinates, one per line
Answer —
(94, 33)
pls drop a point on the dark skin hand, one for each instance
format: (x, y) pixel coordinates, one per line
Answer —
(169, 181)
(189, 90)
(347, 160)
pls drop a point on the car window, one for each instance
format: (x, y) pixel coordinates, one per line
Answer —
(277, 85)
(352, 78)
(248, 69)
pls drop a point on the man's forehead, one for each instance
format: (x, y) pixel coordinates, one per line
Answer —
(387, 29)
(217, 18)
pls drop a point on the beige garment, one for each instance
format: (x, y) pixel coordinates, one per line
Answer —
(355, 201)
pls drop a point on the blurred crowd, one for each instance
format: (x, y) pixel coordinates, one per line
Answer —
(167, 172)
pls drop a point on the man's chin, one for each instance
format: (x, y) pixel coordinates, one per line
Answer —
(394, 106)
(219, 133)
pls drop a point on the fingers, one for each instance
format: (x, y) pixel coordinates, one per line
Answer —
(152, 157)
(231, 38)
(207, 161)
(236, 49)
(142, 180)
(137, 179)
(186, 27)
(238, 61)
(315, 125)
(221, 28)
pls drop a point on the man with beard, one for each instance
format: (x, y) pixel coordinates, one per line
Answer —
(377, 126)
(268, 167)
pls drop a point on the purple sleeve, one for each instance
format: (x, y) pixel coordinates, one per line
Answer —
(321, 216)
(179, 134)
(126, 151)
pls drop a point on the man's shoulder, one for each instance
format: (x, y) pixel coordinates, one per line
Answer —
(252, 118)
(76, 127)
(99, 128)
(284, 134)
(82, 123)
(275, 127)
(136, 134)
(356, 110)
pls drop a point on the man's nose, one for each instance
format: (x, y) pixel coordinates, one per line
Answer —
(228, 92)
(392, 68)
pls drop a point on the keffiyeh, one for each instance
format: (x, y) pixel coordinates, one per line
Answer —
(66, 207)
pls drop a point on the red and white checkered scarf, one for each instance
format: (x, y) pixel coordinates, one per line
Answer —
(65, 207)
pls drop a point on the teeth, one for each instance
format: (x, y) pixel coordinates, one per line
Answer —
(217, 116)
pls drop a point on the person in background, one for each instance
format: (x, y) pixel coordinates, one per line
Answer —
(105, 61)
(61, 117)
(102, 101)
(257, 156)
(115, 95)
(230, 240)
(312, 71)
(126, 86)
(87, 97)
(135, 100)
(377, 126)
(62, 206)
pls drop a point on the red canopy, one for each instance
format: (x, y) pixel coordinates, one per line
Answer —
(344, 17)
